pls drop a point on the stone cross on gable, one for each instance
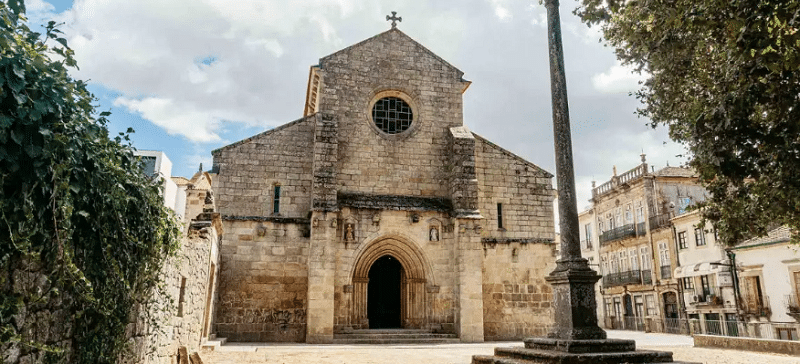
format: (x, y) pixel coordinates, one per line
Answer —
(394, 18)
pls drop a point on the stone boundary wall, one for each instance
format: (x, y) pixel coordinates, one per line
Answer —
(748, 344)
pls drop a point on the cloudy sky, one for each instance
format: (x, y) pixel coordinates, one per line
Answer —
(191, 76)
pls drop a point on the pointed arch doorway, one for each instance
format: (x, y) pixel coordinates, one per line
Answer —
(384, 303)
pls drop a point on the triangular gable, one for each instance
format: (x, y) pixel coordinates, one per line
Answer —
(262, 134)
(385, 34)
(512, 155)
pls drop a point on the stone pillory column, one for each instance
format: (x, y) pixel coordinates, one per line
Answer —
(321, 267)
(575, 337)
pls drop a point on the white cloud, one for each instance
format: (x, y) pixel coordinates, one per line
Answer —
(38, 12)
(198, 126)
(192, 66)
(618, 79)
(501, 10)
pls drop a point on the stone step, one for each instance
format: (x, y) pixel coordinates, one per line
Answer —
(518, 355)
(394, 336)
(213, 343)
(487, 359)
(377, 341)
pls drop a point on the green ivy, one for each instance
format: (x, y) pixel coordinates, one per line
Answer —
(75, 209)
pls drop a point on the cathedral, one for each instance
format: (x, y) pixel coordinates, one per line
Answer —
(380, 209)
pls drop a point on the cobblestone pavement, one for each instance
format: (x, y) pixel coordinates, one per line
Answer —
(680, 345)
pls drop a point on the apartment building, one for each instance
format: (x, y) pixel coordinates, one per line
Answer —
(629, 228)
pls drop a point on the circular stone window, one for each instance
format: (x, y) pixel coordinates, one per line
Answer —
(392, 115)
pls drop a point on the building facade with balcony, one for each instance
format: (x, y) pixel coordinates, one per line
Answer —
(705, 275)
(590, 245)
(630, 216)
(769, 280)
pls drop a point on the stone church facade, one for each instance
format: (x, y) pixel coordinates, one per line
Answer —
(379, 208)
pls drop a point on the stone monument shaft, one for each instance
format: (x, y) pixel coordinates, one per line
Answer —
(567, 203)
(573, 281)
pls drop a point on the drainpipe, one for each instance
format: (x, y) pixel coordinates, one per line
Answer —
(732, 257)
(682, 303)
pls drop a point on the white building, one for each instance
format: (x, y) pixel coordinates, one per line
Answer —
(769, 278)
(156, 163)
(704, 273)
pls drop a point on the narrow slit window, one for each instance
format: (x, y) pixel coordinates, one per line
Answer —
(181, 296)
(276, 200)
(500, 216)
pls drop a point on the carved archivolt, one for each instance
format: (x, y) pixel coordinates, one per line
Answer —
(409, 255)
(416, 272)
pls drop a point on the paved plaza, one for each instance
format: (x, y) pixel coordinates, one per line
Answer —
(681, 346)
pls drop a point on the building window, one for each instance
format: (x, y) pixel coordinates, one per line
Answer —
(639, 212)
(628, 215)
(638, 303)
(276, 199)
(609, 308)
(634, 259)
(500, 216)
(683, 203)
(786, 333)
(699, 237)
(794, 300)
(663, 254)
(623, 261)
(705, 285)
(392, 115)
(688, 283)
(682, 240)
(645, 256)
(650, 304)
(753, 296)
(587, 234)
(181, 296)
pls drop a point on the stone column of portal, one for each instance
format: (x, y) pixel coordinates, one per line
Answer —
(467, 223)
(324, 224)
(573, 281)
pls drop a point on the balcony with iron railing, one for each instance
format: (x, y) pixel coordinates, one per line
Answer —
(626, 278)
(756, 305)
(622, 232)
(708, 297)
(792, 305)
(666, 271)
(659, 221)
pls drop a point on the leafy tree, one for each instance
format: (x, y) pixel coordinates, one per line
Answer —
(724, 76)
(83, 232)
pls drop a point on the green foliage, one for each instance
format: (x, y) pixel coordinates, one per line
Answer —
(75, 210)
(725, 79)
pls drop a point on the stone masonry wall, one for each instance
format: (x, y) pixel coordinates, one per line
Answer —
(370, 161)
(524, 190)
(263, 281)
(249, 169)
(516, 298)
(182, 316)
